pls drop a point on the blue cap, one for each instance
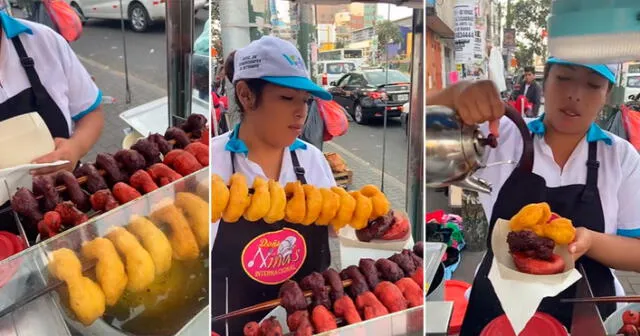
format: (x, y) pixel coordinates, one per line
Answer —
(278, 62)
(299, 83)
(603, 70)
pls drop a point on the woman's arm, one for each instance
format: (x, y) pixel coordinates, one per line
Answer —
(621, 253)
(622, 250)
(88, 131)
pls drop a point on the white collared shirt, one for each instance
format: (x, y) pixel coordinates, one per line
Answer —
(618, 175)
(61, 73)
(317, 170)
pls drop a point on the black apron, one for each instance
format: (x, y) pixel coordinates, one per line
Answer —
(580, 203)
(33, 99)
(227, 263)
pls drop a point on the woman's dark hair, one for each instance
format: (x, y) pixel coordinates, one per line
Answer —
(255, 85)
(547, 68)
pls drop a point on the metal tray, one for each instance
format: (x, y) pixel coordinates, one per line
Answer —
(433, 253)
(31, 275)
(153, 117)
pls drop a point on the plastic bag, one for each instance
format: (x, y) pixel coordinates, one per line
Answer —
(313, 131)
(522, 105)
(334, 117)
(631, 120)
(65, 18)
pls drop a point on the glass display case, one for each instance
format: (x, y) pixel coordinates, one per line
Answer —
(32, 302)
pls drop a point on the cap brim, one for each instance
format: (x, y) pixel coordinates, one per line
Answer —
(300, 83)
(601, 69)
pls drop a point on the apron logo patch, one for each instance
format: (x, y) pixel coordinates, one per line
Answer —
(274, 257)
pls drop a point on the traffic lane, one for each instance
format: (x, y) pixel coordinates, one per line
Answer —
(365, 141)
(101, 41)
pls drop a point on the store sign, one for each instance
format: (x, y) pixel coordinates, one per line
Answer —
(465, 30)
(431, 3)
(360, 35)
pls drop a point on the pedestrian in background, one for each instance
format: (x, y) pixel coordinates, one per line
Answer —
(531, 90)
(201, 62)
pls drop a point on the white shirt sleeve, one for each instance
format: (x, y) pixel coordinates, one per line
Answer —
(629, 193)
(324, 175)
(83, 94)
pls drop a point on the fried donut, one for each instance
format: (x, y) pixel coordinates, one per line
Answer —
(330, 206)
(278, 203)
(362, 212)
(296, 205)
(379, 201)
(239, 198)
(314, 204)
(219, 197)
(347, 207)
(260, 201)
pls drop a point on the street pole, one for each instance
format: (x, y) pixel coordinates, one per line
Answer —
(508, 63)
(127, 88)
(386, 102)
(234, 32)
(306, 35)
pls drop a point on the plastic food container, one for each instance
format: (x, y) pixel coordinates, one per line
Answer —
(540, 324)
(10, 244)
(454, 290)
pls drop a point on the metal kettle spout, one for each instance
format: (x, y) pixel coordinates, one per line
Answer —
(474, 184)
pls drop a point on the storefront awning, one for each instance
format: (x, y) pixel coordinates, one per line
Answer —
(438, 26)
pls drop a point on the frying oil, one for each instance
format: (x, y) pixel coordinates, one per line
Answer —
(171, 301)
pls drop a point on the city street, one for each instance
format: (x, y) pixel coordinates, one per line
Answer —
(101, 42)
(365, 141)
(361, 148)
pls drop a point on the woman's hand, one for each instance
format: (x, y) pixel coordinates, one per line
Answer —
(475, 102)
(66, 149)
(478, 102)
(582, 243)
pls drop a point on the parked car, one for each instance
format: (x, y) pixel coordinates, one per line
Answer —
(332, 71)
(365, 94)
(404, 118)
(141, 14)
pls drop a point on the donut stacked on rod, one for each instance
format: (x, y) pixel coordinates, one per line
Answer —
(374, 288)
(367, 210)
(61, 201)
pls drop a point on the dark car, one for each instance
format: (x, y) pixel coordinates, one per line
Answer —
(365, 94)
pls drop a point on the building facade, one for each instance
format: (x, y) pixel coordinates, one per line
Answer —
(440, 58)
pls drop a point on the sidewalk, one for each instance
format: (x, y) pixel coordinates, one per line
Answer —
(112, 83)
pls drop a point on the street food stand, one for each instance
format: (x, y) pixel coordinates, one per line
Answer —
(408, 321)
(34, 302)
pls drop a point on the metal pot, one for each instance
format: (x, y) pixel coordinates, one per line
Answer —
(454, 150)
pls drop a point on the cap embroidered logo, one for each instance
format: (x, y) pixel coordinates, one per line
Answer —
(295, 61)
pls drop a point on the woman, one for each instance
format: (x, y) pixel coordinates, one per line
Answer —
(39, 72)
(272, 90)
(583, 172)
